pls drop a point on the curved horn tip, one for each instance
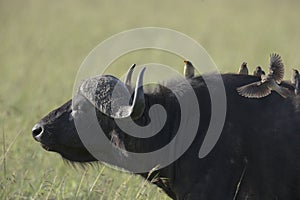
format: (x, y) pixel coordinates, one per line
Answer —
(141, 74)
(139, 81)
(140, 78)
(132, 66)
(128, 76)
(138, 104)
(130, 71)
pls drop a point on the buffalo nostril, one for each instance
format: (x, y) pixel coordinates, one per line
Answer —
(37, 132)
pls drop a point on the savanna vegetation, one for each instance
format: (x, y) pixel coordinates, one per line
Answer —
(43, 43)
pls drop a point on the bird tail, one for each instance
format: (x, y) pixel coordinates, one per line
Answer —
(284, 92)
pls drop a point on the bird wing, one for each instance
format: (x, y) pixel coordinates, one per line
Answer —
(276, 67)
(254, 90)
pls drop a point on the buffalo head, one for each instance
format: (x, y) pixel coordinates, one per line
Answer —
(104, 96)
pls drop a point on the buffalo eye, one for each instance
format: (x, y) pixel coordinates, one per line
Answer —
(81, 106)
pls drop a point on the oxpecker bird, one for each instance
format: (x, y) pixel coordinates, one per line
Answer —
(295, 80)
(243, 69)
(258, 71)
(268, 82)
(189, 70)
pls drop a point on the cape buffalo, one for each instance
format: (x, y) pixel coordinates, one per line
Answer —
(256, 157)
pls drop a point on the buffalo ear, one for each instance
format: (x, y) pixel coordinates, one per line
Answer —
(118, 142)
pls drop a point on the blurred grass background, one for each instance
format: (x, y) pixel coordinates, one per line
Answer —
(42, 44)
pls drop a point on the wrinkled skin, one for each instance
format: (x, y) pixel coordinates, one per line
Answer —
(259, 146)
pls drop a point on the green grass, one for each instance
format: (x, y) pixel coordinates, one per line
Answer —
(42, 44)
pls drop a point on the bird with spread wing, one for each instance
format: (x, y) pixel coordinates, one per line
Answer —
(268, 82)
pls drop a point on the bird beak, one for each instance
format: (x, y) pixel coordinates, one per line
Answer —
(185, 61)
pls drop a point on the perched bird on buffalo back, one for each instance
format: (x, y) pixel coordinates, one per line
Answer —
(189, 70)
(295, 80)
(243, 69)
(268, 82)
(258, 72)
